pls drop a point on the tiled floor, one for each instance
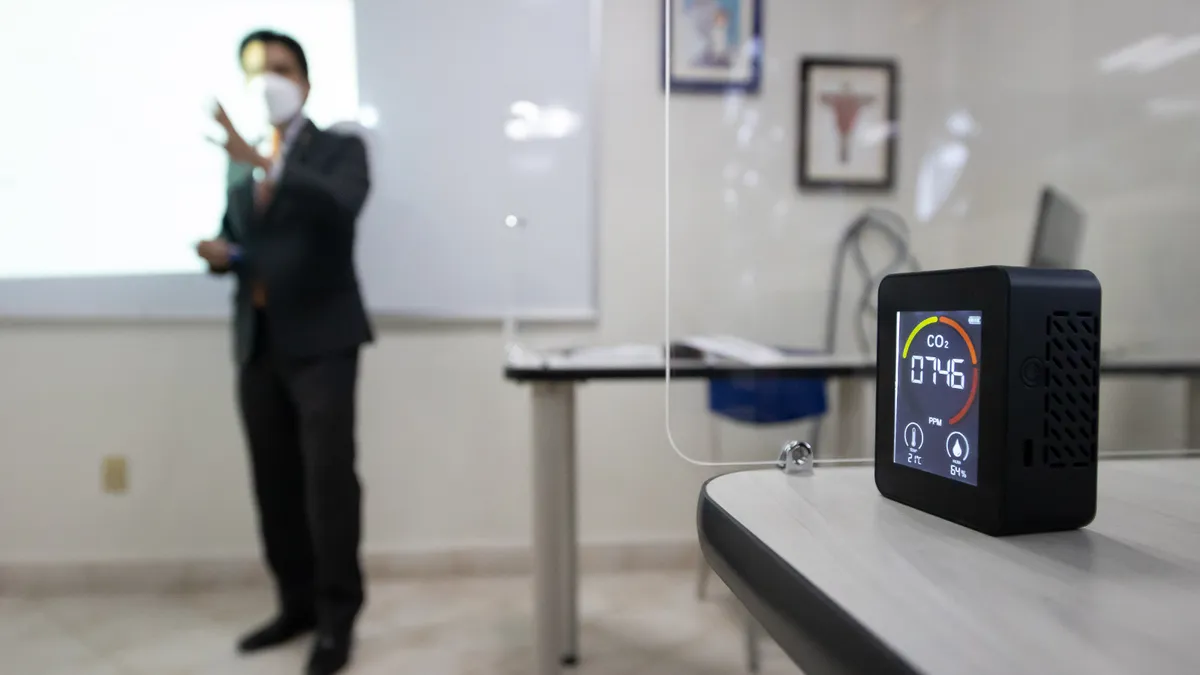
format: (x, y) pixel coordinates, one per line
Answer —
(639, 624)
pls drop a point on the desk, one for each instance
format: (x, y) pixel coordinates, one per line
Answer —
(849, 582)
(553, 379)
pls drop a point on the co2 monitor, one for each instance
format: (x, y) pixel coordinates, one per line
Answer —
(988, 396)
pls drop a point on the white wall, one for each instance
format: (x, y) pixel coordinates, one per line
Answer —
(444, 440)
(1124, 143)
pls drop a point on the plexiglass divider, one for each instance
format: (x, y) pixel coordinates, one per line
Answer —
(815, 147)
(526, 341)
(513, 241)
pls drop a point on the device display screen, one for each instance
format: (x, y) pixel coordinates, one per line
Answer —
(937, 392)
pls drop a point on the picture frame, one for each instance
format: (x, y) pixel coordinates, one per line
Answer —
(849, 123)
(714, 46)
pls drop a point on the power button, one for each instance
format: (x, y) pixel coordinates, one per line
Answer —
(1033, 372)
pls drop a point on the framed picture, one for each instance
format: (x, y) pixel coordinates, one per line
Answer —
(848, 123)
(714, 45)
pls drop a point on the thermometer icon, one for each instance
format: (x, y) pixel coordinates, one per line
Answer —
(914, 438)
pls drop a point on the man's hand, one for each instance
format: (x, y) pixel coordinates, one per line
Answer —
(216, 252)
(239, 150)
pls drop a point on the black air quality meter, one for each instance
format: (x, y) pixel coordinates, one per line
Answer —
(988, 396)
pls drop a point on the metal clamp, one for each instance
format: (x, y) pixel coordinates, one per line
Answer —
(796, 458)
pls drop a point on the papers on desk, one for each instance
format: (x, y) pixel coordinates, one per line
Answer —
(608, 356)
(712, 348)
(624, 356)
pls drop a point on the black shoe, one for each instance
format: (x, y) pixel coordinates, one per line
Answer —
(282, 629)
(330, 654)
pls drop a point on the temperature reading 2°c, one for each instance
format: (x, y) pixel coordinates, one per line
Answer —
(947, 368)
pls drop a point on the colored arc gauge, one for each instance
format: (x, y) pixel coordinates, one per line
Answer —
(937, 365)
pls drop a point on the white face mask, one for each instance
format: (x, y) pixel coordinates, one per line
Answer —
(282, 96)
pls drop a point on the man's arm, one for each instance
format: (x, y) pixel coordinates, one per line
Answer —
(341, 186)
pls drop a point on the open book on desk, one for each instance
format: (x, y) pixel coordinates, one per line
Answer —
(738, 350)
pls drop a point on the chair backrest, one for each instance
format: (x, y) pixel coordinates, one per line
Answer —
(894, 231)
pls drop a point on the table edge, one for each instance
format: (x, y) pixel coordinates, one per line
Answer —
(548, 373)
(814, 631)
(689, 372)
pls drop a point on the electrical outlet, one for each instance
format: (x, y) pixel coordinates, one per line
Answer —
(114, 475)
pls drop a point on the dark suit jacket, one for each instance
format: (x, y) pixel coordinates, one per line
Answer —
(301, 249)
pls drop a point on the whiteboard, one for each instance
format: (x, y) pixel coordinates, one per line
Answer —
(473, 111)
(485, 110)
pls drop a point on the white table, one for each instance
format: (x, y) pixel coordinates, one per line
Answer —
(553, 376)
(850, 582)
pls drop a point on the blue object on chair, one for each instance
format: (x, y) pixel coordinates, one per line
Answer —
(767, 400)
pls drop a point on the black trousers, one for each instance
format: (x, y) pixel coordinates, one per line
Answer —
(299, 420)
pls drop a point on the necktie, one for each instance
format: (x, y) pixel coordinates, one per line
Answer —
(262, 198)
(276, 144)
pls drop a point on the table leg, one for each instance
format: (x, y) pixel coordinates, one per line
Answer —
(851, 439)
(568, 485)
(753, 646)
(553, 441)
(1193, 413)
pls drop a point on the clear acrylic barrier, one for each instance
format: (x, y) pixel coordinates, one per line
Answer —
(818, 146)
(543, 127)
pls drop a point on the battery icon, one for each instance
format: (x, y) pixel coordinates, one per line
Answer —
(974, 320)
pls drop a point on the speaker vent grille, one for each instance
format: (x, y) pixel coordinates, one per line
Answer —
(1072, 397)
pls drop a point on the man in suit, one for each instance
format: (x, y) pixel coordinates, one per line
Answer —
(299, 322)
